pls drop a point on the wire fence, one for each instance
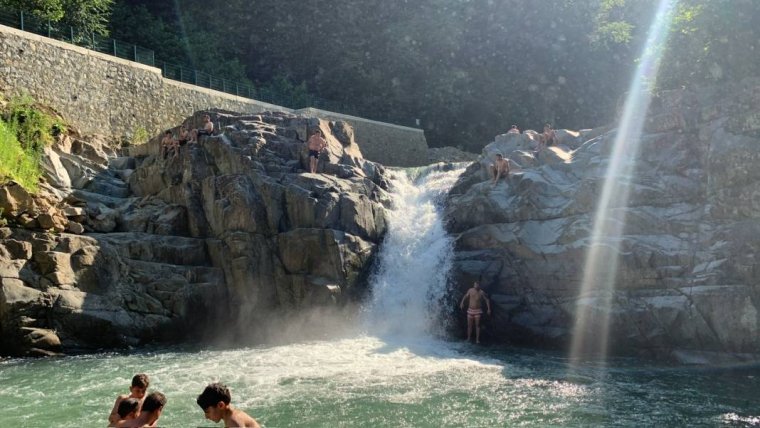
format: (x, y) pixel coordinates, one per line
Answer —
(26, 22)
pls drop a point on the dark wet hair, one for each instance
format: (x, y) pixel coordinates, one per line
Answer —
(213, 394)
(168, 132)
(127, 406)
(153, 402)
(140, 380)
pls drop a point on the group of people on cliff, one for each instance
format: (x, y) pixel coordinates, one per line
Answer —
(137, 409)
(500, 168)
(170, 145)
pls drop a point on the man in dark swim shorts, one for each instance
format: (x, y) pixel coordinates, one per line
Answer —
(315, 144)
(208, 129)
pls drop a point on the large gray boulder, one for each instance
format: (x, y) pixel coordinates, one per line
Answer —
(227, 240)
(687, 285)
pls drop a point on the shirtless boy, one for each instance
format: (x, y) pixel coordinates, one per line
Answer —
(475, 295)
(208, 128)
(168, 143)
(513, 130)
(499, 169)
(129, 409)
(140, 383)
(215, 402)
(549, 136)
(184, 136)
(151, 410)
(316, 144)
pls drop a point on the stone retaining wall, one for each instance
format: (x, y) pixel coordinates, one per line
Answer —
(99, 93)
(386, 143)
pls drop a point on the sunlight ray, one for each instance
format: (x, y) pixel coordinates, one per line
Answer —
(595, 300)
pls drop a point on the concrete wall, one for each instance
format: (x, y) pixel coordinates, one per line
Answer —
(103, 94)
(397, 145)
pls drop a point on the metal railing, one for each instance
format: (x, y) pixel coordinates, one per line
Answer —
(26, 22)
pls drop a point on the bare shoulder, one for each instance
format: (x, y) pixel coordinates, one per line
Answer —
(240, 418)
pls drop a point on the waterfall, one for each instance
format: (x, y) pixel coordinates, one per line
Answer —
(409, 284)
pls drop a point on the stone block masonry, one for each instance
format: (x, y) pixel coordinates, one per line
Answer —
(102, 94)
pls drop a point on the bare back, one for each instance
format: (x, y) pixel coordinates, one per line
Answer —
(114, 416)
(502, 165)
(316, 142)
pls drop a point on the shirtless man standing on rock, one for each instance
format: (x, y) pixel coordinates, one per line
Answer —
(499, 169)
(475, 295)
(316, 144)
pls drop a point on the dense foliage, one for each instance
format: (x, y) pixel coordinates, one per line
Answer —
(467, 69)
(26, 128)
(88, 15)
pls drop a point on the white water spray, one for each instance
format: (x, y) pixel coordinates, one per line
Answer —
(409, 285)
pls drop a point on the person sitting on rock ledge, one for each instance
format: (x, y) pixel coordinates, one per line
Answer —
(500, 168)
(208, 129)
(547, 138)
(315, 144)
(513, 130)
(168, 143)
(184, 136)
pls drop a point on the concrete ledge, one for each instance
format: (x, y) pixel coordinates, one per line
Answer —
(389, 144)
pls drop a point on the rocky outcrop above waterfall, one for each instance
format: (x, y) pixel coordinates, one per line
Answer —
(229, 238)
(687, 283)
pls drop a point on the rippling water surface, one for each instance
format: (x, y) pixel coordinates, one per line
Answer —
(368, 381)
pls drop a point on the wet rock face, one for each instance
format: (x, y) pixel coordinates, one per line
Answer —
(687, 281)
(230, 236)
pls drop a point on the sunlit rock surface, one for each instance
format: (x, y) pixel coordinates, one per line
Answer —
(688, 280)
(232, 237)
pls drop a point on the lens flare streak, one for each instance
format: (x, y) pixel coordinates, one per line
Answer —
(594, 304)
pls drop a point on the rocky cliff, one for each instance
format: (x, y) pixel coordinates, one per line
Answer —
(687, 283)
(231, 237)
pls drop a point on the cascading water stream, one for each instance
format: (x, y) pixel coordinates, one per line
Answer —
(409, 285)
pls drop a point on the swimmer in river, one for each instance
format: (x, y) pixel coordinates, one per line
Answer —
(215, 402)
(140, 384)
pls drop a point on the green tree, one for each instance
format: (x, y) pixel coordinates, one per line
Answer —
(91, 16)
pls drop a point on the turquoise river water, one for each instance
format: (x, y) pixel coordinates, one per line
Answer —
(367, 381)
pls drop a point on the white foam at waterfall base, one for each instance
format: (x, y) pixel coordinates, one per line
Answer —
(409, 285)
